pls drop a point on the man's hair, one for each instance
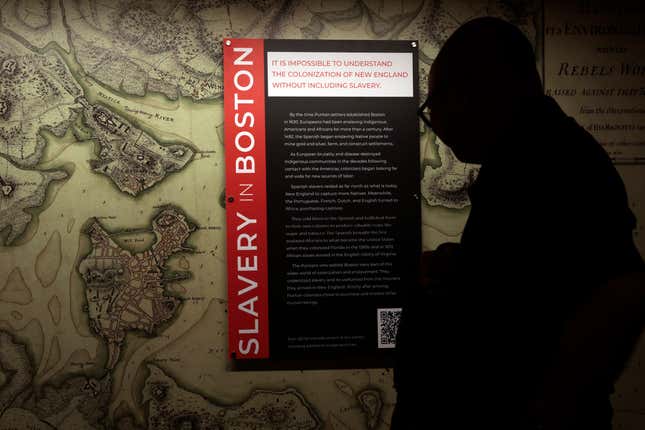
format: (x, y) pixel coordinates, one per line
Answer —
(489, 54)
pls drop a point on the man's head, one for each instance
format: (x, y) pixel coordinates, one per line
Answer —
(481, 79)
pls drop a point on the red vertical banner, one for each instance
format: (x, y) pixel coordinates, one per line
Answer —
(246, 201)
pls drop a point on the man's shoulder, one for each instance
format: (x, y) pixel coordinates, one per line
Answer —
(570, 154)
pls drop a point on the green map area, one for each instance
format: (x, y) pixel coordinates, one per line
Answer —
(112, 239)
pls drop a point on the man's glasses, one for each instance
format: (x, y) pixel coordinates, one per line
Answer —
(424, 112)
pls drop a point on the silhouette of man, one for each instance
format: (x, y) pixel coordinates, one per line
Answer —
(517, 327)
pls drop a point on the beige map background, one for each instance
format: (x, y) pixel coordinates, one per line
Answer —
(111, 185)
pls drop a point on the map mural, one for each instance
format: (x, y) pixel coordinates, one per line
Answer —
(112, 239)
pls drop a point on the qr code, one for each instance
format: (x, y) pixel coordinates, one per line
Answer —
(388, 323)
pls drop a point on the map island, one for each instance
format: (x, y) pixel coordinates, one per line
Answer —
(125, 291)
(129, 156)
(172, 407)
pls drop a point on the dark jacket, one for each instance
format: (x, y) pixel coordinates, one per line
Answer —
(549, 222)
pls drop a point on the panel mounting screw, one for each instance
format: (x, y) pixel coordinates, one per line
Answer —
(414, 44)
(228, 42)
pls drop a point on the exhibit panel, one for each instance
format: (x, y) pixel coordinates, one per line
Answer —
(324, 285)
(113, 253)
